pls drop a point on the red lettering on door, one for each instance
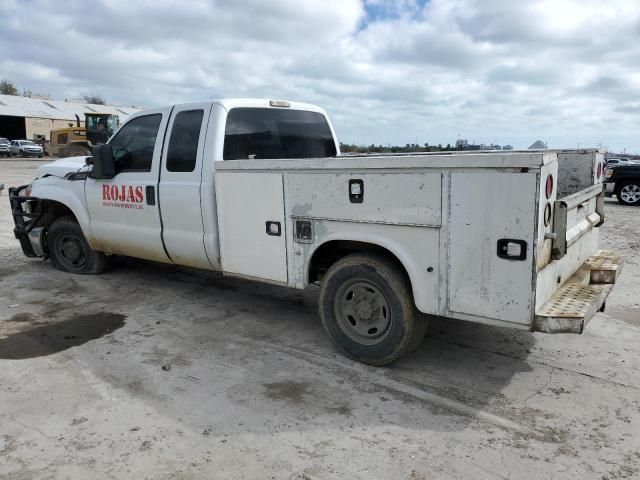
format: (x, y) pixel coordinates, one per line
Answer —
(123, 196)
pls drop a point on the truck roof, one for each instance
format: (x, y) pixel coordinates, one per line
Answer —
(229, 103)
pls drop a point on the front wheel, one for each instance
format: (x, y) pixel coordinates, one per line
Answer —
(70, 251)
(367, 309)
(629, 193)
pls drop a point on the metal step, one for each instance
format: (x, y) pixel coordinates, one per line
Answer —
(584, 294)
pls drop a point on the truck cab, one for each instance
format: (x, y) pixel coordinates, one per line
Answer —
(257, 189)
(160, 183)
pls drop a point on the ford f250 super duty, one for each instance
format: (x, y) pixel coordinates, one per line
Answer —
(257, 189)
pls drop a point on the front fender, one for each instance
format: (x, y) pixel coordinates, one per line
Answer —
(69, 193)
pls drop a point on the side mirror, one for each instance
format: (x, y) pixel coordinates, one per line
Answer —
(103, 162)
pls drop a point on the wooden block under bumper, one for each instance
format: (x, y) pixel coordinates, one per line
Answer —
(605, 266)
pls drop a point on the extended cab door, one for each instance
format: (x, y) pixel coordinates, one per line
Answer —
(123, 210)
(179, 189)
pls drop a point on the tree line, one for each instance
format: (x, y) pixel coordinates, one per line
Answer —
(409, 147)
(8, 87)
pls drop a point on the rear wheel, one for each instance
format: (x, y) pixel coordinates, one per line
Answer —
(78, 151)
(70, 251)
(629, 193)
(367, 309)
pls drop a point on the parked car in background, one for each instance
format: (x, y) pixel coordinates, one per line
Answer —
(26, 148)
(5, 147)
(620, 161)
(623, 181)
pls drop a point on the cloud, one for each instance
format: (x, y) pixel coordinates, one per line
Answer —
(388, 71)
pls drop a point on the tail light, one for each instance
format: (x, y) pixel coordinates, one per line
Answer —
(549, 186)
(599, 170)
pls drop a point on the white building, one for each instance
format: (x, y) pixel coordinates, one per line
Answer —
(32, 118)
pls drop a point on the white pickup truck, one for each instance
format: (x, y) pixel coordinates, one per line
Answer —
(257, 189)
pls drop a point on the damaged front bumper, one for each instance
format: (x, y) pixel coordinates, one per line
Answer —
(27, 212)
(584, 294)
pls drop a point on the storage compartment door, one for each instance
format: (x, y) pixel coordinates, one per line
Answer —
(491, 210)
(251, 224)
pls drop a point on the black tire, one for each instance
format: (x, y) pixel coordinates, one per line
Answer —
(629, 193)
(387, 306)
(78, 151)
(70, 251)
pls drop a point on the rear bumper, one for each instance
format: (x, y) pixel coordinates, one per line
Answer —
(584, 294)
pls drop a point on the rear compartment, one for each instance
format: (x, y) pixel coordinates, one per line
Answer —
(573, 276)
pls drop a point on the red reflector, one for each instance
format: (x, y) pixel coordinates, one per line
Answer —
(549, 186)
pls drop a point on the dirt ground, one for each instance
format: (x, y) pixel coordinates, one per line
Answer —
(158, 372)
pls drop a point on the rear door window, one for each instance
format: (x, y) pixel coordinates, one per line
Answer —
(183, 144)
(262, 133)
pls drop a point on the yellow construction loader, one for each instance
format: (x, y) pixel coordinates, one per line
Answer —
(77, 141)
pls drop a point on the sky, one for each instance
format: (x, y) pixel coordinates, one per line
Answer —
(386, 71)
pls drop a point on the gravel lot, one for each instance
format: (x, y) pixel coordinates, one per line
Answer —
(153, 371)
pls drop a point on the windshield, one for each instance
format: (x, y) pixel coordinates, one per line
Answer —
(112, 124)
(102, 123)
(271, 133)
(27, 142)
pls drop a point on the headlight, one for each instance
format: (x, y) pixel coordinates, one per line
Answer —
(25, 192)
(608, 172)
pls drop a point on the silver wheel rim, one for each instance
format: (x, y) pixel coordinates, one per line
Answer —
(630, 193)
(363, 311)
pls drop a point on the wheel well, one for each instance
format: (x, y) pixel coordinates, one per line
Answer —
(623, 180)
(330, 252)
(54, 210)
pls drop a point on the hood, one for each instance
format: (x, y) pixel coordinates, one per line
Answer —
(61, 167)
